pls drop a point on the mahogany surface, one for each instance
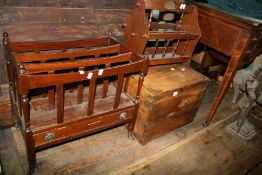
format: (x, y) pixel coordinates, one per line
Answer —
(238, 38)
(64, 90)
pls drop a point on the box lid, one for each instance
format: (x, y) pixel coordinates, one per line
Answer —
(161, 79)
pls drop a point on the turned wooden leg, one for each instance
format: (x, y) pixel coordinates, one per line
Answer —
(31, 155)
(28, 135)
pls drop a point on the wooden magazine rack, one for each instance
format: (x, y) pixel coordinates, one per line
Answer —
(165, 29)
(63, 90)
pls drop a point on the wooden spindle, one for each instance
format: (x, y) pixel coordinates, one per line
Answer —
(175, 47)
(155, 48)
(118, 90)
(150, 18)
(60, 103)
(180, 20)
(26, 111)
(139, 86)
(18, 101)
(16, 91)
(166, 47)
(184, 47)
(91, 96)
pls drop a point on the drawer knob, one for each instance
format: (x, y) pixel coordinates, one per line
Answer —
(122, 116)
(49, 137)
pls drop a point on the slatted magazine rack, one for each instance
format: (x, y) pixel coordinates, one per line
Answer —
(165, 29)
(63, 90)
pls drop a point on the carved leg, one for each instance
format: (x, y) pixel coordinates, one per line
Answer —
(28, 135)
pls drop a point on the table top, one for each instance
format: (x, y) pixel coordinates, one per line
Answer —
(243, 19)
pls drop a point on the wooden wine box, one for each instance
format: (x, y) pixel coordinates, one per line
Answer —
(170, 98)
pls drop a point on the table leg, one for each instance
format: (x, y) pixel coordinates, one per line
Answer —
(236, 57)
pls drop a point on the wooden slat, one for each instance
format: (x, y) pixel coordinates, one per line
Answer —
(80, 87)
(21, 57)
(118, 90)
(172, 35)
(60, 45)
(165, 26)
(151, 50)
(169, 60)
(44, 61)
(51, 96)
(71, 89)
(37, 81)
(91, 96)
(60, 103)
(105, 83)
(37, 68)
(80, 93)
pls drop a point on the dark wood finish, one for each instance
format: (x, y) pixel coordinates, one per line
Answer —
(60, 103)
(76, 113)
(170, 97)
(237, 37)
(179, 35)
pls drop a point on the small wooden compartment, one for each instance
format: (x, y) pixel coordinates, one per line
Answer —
(170, 98)
(64, 90)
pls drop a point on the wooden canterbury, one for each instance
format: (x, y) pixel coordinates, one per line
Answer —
(63, 90)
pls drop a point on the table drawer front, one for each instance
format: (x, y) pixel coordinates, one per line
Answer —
(81, 128)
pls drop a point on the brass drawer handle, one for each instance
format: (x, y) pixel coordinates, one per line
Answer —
(49, 137)
(122, 116)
